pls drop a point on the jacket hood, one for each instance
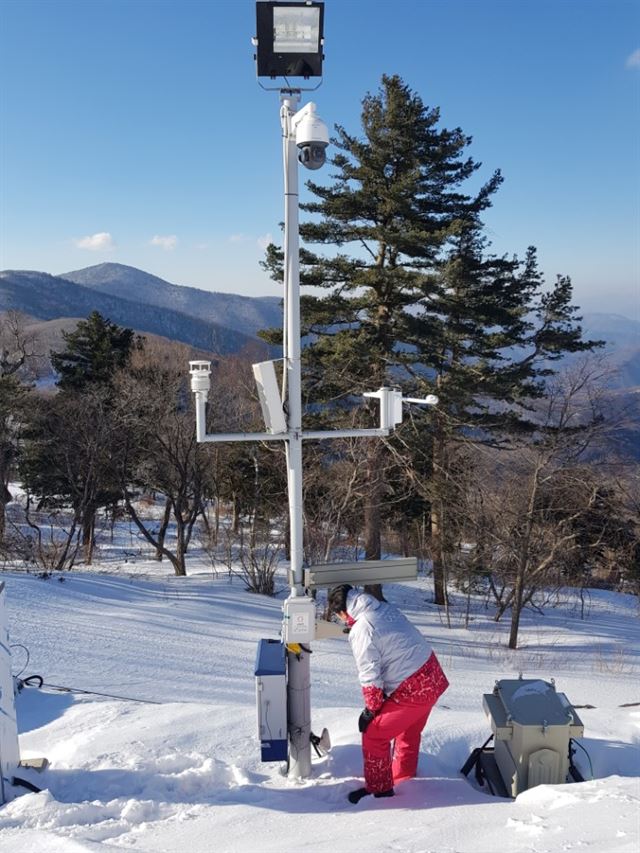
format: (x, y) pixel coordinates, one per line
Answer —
(360, 602)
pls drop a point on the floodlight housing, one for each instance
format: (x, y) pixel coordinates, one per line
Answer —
(289, 39)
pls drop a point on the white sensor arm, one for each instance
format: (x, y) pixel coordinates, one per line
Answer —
(391, 401)
(429, 400)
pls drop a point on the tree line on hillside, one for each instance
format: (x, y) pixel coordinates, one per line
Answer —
(120, 427)
(509, 485)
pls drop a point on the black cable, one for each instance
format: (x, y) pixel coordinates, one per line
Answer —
(315, 740)
(95, 693)
(30, 681)
(16, 780)
(577, 743)
(26, 663)
(38, 682)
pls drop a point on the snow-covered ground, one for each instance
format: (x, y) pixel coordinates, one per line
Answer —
(185, 774)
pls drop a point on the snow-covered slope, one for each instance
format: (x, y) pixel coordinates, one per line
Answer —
(185, 774)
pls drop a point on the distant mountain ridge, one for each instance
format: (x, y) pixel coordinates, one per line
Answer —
(222, 322)
(48, 297)
(245, 314)
(622, 345)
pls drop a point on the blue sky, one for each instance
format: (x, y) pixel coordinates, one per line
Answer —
(134, 130)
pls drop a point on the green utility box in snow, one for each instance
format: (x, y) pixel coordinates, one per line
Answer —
(532, 725)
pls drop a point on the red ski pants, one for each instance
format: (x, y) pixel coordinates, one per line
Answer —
(403, 724)
(401, 719)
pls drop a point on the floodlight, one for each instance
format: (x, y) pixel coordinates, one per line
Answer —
(289, 39)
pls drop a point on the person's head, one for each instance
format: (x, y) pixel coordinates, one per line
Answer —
(337, 599)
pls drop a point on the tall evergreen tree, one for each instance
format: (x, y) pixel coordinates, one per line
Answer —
(395, 202)
(93, 352)
(71, 444)
(487, 337)
(412, 296)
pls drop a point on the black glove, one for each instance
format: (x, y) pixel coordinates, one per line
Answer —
(364, 719)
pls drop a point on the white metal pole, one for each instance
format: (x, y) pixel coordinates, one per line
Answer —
(299, 671)
(292, 355)
(201, 416)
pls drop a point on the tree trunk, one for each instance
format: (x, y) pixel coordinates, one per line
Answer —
(516, 607)
(5, 496)
(166, 516)
(235, 509)
(88, 534)
(180, 565)
(439, 586)
(372, 519)
(217, 521)
(523, 562)
(173, 558)
(437, 515)
(64, 561)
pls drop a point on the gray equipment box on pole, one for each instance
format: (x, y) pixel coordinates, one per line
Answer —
(271, 700)
(532, 725)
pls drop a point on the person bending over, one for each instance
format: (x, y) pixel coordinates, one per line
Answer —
(401, 680)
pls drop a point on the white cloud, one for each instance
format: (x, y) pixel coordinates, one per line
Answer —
(167, 243)
(633, 60)
(264, 241)
(238, 238)
(102, 241)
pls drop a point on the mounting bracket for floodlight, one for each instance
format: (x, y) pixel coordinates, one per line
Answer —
(287, 90)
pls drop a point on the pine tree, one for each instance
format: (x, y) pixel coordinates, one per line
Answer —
(69, 457)
(93, 352)
(487, 337)
(395, 202)
(71, 443)
(413, 298)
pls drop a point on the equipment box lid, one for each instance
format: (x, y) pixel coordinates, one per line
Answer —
(270, 659)
(531, 702)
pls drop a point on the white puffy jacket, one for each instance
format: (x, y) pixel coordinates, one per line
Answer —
(387, 648)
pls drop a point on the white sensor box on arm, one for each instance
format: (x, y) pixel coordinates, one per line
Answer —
(299, 619)
(269, 396)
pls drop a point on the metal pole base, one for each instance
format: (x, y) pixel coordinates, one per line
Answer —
(299, 714)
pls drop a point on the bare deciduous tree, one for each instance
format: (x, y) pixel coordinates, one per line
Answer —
(18, 365)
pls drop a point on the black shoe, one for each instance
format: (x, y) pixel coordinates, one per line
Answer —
(355, 796)
(388, 793)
